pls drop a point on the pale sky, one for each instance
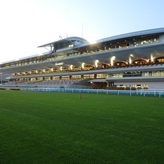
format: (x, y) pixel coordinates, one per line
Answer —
(26, 24)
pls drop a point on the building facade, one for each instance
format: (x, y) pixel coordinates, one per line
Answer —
(132, 60)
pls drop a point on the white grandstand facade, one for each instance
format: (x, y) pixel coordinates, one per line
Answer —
(132, 60)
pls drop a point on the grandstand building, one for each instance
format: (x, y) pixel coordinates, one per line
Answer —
(132, 60)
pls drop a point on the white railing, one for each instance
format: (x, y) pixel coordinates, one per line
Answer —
(157, 92)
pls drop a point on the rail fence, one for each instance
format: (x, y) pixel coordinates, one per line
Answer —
(157, 92)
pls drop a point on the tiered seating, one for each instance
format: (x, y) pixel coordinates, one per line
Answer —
(53, 83)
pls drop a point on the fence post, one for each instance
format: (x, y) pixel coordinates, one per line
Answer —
(88, 91)
(130, 92)
(118, 93)
(154, 93)
(144, 93)
(97, 91)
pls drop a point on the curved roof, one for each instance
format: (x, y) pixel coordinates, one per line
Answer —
(69, 39)
(132, 34)
(127, 35)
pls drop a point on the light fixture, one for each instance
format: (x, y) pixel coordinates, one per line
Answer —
(60, 68)
(96, 63)
(82, 65)
(71, 67)
(152, 59)
(130, 60)
(112, 59)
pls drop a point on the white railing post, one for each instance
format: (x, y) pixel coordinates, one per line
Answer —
(117, 92)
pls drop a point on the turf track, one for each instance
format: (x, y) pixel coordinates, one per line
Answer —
(52, 127)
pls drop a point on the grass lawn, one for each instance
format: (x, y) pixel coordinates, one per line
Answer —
(52, 127)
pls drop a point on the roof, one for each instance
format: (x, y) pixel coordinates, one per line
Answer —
(132, 34)
(69, 39)
(127, 35)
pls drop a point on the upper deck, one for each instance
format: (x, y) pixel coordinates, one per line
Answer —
(73, 47)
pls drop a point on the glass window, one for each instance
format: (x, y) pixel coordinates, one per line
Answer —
(117, 75)
(65, 77)
(89, 76)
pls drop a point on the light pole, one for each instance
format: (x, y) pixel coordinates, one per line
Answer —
(1, 78)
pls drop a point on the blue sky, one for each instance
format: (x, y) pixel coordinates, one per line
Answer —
(26, 24)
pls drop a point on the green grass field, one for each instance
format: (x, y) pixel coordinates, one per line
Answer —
(52, 127)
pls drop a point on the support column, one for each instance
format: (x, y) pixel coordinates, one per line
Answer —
(60, 77)
(95, 76)
(82, 76)
(108, 84)
(70, 77)
(150, 73)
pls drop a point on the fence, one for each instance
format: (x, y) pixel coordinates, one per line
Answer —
(118, 92)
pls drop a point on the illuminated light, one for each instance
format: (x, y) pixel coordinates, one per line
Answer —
(36, 71)
(43, 70)
(71, 67)
(152, 59)
(52, 69)
(60, 63)
(112, 59)
(70, 45)
(96, 63)
(60, 68)
(83, 65)
(130, 60)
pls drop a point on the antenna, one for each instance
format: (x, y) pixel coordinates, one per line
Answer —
(82, 30)
(66, 34)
